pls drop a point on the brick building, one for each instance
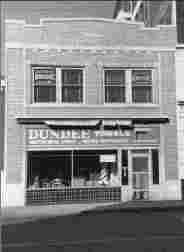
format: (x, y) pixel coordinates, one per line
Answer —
(91, 111)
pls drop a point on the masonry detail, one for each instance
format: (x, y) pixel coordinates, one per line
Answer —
(90, 117)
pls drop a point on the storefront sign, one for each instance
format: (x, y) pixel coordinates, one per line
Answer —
(108, 158)
(48, 136)
(45, 136)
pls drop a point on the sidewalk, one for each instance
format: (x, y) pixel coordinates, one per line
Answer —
(13, 215)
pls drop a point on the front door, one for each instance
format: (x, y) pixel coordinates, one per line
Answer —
(140, 176)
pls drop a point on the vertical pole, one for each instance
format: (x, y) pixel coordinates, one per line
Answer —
(72, 166)
(173, 12)
(119, 164)
(58, 85)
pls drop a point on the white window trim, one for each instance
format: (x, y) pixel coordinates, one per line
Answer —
(58, 101)
(33, 85)
(128, 88)
(152, 85)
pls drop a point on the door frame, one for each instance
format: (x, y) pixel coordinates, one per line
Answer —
(146, 155)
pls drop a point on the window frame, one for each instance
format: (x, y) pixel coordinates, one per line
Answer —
(58, 85)
(129, 87)
(152, 85)
(33, 85)
(83, 86)
(104, 86)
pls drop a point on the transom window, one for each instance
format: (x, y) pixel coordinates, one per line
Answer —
(128, 86)
(56, 84)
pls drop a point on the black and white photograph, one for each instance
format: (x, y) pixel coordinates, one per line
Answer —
(92, 125)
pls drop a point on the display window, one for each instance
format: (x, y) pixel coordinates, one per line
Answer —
(49, 169)
(79, 168)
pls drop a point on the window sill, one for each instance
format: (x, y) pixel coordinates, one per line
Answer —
(119, 105)
(131, 105)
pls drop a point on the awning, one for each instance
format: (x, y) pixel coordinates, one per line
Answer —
(90, 122)
(70, 123)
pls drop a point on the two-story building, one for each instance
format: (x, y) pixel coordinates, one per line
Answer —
(90, 112)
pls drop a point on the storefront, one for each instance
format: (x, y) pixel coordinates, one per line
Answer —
(108, 163)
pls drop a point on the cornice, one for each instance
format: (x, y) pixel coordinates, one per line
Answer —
(94, 49)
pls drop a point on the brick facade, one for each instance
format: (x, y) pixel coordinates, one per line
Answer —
(93, 44)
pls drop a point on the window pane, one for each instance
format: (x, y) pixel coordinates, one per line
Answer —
(44, 82)
(89, 170)
(72, 85)
(124, 162)
(140, 181)
(140, 164)
(115, 77)
(142, 76)
(72, 94)
(142, 86)
(155, 166)
(142, 94)
(44, 94)
(114, 94)
(45, 74)
(72, 77)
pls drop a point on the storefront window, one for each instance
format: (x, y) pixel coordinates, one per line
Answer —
(49, 169)
(95, 168)
(72, 169)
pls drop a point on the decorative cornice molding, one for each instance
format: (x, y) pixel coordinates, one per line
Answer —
(94, 49)
(44, 21)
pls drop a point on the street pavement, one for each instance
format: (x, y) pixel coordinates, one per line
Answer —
(100, 231)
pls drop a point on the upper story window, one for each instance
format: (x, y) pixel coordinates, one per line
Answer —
(141, 86)
(128, 86)
(57, 85)
(114, 86)
(44, 84)
(72, 85)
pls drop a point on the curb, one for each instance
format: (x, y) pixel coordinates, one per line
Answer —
(133, 209)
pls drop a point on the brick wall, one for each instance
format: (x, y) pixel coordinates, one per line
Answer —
(108, 34)
(168, 106)
(15, 103)
(92, 33)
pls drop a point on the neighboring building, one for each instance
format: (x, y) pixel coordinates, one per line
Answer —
(180, 116)
(180, 88)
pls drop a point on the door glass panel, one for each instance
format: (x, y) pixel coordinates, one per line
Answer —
(140, 177)
(140, 181)
(140, 164)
